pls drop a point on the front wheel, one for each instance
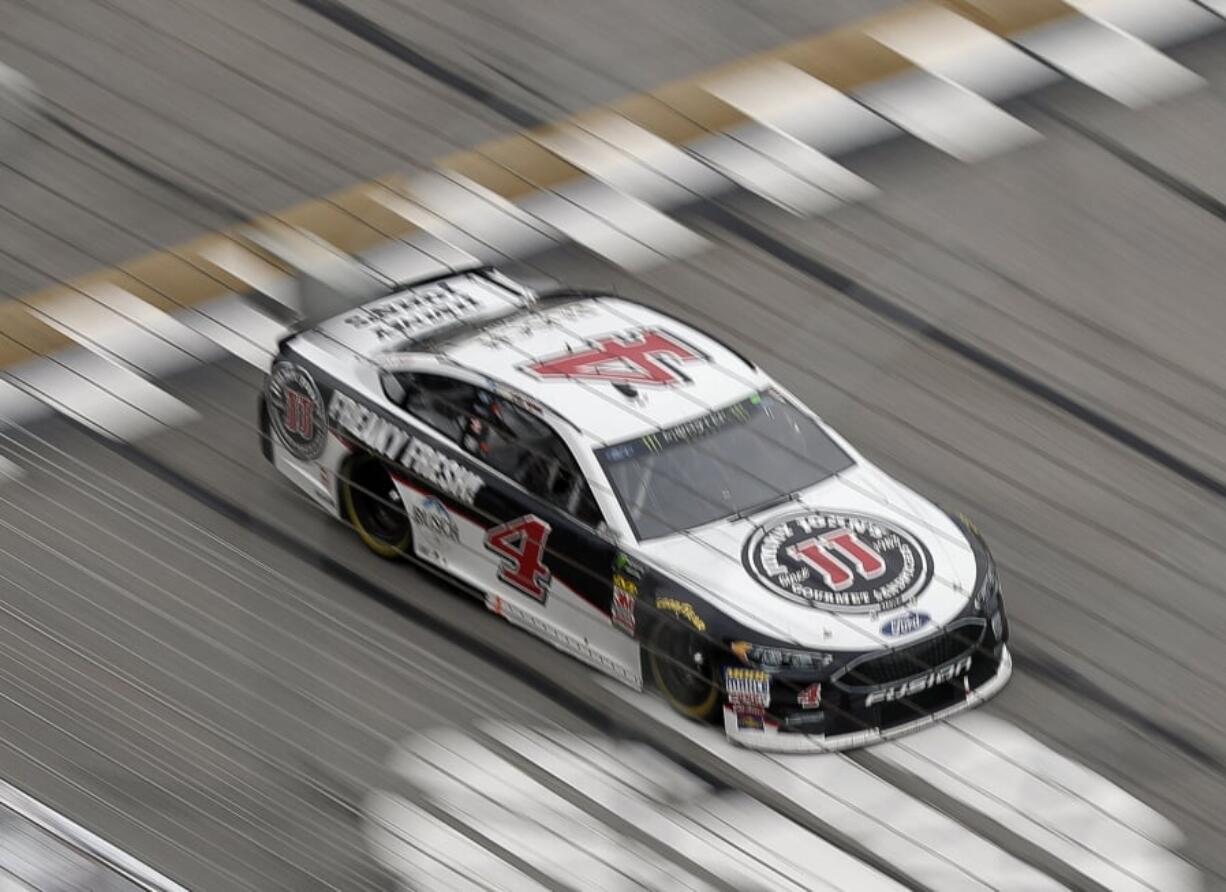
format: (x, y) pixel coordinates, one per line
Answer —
(684, 670)
(372, 504)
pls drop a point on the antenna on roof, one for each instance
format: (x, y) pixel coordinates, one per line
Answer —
(626, 390)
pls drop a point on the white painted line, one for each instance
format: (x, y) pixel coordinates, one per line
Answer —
(731, 835)
(10, 470)
(512, 810)
(793, 102)
(17, 407)
(237, 327)
(741, 162)
(945, 44)
(411, 843)
(632, 160)
(465, 213)
(942, 103)
(919, 840)
(19, 105)
(1073, 813)
(232, 258)
(622, 229)
(776, 96)
(103, 395)
(119, 325)
(1156, 22)
(948, 116)
(88, 844)
(1107, 59)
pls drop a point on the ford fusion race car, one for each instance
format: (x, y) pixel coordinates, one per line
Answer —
(643, 497)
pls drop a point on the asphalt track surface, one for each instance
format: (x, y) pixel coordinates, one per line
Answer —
(200, 664)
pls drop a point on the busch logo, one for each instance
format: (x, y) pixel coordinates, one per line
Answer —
(948, 672)
(646, 358)
(849, 563)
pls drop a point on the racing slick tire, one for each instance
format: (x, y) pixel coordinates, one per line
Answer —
(685, 670)
(373, 507)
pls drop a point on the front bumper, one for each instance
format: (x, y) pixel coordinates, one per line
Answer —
(771, 738)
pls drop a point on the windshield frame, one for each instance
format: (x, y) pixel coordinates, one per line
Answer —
(772, 392)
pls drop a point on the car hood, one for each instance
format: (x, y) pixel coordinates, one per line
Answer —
(793, 573)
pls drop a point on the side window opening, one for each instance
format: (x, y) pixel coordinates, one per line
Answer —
(441, 402)
(492, 430)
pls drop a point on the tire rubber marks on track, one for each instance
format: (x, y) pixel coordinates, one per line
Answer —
(514, 808)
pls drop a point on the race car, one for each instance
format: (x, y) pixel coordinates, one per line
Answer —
(645, 498)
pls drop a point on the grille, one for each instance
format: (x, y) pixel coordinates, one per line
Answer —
(907, 662)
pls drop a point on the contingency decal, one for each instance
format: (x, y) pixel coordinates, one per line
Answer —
(625, 593)
(747, 688)
(400, 447)
(646, 358)
(682, 610)
(849, 563)
(296, 411)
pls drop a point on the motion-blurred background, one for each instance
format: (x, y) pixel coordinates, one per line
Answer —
(983, 238)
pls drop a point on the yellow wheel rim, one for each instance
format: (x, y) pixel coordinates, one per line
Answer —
(380, 547)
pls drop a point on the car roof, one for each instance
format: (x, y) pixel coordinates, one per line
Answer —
(613, 368)
(423, 310)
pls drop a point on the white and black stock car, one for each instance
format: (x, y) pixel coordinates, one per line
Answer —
(646, 499)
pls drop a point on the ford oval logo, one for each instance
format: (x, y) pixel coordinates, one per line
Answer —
(905, 624)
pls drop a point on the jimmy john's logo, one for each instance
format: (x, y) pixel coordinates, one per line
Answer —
(296, 411)
(848, 563)
(399, 447)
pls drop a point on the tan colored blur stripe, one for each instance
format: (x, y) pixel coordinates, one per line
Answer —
(512, 167)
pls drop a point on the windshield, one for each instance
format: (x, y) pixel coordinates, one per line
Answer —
(745, 456)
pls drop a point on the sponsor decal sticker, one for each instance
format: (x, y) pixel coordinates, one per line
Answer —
(810, 697)
(945, 673)
(905, 624)
(406, 315)
(434, 529)
(400, 447)
(625, 593)
(627, 566)
(838, 561)
(645, 358)
(750, 720)
(747, 687)
(296, 411)
(683, 610)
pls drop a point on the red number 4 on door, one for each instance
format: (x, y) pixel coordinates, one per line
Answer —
(521, 543)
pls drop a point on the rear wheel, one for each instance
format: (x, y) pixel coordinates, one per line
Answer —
(373, 506)
(684, 670)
